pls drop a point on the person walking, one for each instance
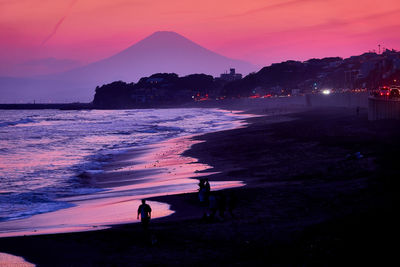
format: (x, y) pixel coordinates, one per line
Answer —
(144, 211)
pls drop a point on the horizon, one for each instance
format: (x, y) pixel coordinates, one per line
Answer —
(54, 37)
(54, 62)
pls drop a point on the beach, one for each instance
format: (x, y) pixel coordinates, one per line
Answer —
(320, 190)
(118, 158)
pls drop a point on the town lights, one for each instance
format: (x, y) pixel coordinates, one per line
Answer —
(326, 91)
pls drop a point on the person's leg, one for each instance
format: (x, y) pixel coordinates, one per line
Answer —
(145, 222)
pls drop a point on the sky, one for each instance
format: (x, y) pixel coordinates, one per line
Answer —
(43, 36)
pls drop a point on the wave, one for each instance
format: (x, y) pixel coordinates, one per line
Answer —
(159, 129)
(122, 133)
(80, 144)
(179, 118)
(13, 123)
(23, 205)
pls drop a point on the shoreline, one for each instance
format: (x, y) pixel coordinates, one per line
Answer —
(305, 202)
(143, 172)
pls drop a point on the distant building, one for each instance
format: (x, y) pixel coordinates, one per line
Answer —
(396, 64)
(154, 80)
(145, 95)
(350, 76)
(367, 67)
(231, 76)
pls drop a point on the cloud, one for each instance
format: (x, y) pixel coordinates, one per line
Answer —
(60, 21)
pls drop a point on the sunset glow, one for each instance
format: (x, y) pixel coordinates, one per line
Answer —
(262, 32)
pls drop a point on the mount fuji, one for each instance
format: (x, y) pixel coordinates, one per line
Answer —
(162, 51)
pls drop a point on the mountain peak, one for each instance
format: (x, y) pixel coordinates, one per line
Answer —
(165, 36)
(165, 33)
(160, 52)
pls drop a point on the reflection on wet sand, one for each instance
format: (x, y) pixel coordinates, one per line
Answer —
(9, 260)
(155, 171)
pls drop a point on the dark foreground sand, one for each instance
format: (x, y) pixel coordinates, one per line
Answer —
(305, 203)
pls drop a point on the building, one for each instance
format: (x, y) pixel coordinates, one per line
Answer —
(231, 76)
(350, 76)
(154, 80)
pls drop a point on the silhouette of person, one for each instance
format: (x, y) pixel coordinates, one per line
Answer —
(207, 189)
(202, 191)
(207, 186)
(144, 211)
(213, 205)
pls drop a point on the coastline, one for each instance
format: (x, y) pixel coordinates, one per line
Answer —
(330, 211)
(142, 172)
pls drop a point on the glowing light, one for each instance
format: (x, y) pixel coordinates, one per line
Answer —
(326, 91)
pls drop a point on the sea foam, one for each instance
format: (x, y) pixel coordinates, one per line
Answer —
(42, 152)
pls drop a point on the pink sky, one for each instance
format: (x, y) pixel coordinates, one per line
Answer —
(81, 31)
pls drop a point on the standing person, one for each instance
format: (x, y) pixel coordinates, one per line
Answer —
(202, 191)
(144, 211)
(207, 188)
(213, 205)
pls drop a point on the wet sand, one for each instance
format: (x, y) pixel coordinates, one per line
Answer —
(308, 201)
(155, 170)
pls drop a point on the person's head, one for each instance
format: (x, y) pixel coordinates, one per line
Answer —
(143, 201)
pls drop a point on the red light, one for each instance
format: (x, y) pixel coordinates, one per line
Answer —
(255, 96)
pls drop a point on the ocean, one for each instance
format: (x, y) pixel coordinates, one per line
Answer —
(43, 152)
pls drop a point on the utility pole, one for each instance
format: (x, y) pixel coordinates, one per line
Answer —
(379, 48)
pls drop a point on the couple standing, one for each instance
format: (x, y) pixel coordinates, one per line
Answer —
(204, 190)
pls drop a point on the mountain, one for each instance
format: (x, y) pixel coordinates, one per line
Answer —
(162, 51)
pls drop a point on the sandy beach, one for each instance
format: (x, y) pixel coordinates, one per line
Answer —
(140, 173)
(310, 199)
